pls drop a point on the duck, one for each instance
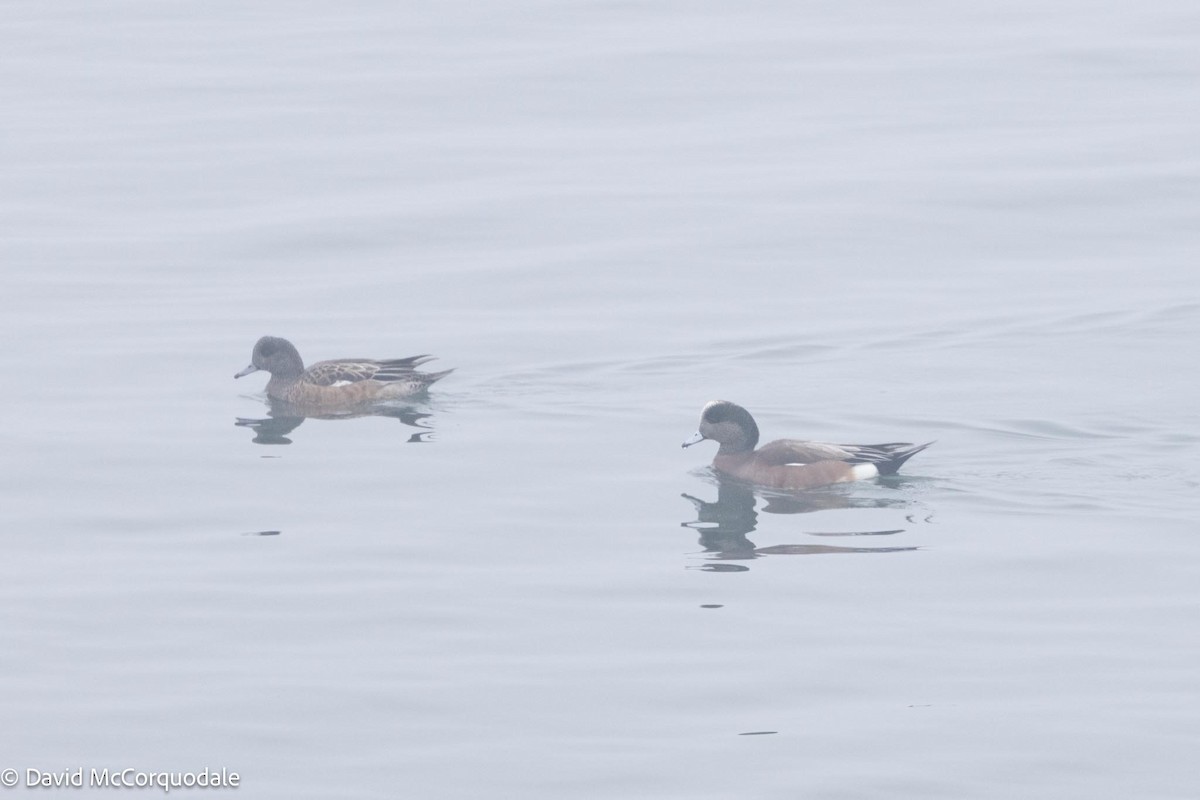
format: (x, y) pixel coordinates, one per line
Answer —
(790, 463)
(343, 383)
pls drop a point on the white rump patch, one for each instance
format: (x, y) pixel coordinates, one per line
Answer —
(862, 472)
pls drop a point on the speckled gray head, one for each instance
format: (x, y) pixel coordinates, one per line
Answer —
(275, 355)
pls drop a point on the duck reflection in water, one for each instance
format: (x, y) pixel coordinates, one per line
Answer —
(285, 418)
(724, 525)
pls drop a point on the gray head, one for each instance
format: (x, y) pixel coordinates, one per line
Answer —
(729, 424)
(277, 356)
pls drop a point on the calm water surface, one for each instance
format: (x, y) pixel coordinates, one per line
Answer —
(864, 222)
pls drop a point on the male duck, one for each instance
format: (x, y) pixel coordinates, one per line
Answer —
(339, 384)
(788, 463)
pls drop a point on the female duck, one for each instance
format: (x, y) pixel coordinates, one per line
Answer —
(338, 384)
(788, 463)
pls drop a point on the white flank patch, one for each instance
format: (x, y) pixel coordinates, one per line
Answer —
(863, 471)
(341, 383)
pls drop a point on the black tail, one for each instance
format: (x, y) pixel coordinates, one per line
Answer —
(896, 454)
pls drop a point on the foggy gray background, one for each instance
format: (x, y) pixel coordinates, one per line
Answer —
(865, 222)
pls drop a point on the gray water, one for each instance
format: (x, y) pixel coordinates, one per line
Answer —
(974, 223)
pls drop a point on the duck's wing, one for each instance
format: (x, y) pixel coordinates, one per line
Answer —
(793, 451)
(353, 370)
(888, 457)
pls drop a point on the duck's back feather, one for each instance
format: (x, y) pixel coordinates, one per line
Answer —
(353, 370)
(794, 451)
